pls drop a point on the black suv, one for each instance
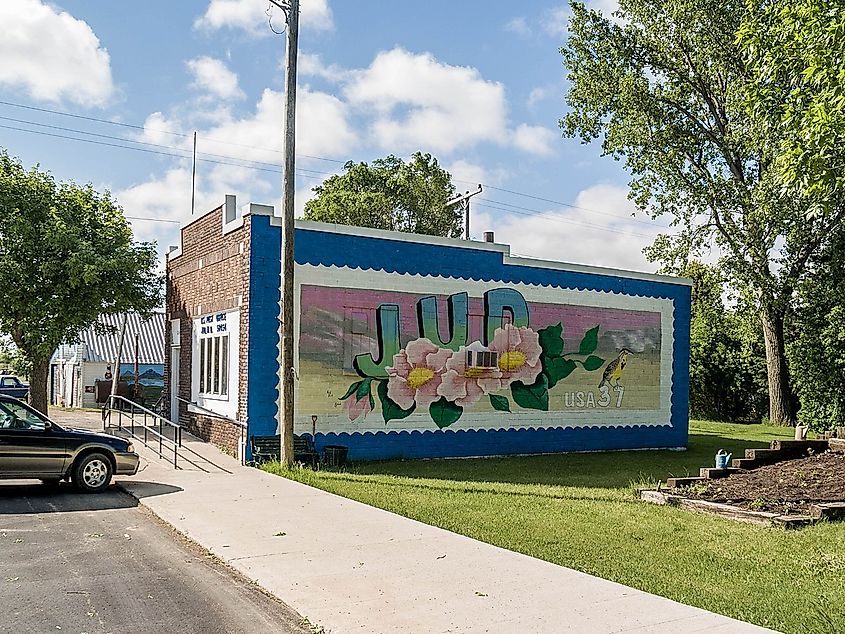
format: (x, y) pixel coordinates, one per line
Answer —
(33, 446)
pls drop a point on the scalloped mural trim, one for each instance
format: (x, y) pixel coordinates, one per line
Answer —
(485, 280)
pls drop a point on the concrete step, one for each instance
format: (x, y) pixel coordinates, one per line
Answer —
(837, 445)
(757, 454)
(744, 463)
(711, 473)
(799, 447)
(828, 510)
(767, 456)
(793, 521)
(674, 483)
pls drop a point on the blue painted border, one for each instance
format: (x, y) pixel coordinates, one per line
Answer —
(464, 443)
(329, 248)
(262, 353)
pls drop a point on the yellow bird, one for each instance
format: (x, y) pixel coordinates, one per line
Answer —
(614, 369)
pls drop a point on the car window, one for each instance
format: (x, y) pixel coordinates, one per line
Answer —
(16, 416)
(9, 382)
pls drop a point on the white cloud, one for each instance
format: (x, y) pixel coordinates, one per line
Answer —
(311, 65)
(154, 204)
(610, 238)
(214, 77)
(52, 55)
(419, 102)
(518, 25)
(161, 130)
(151, 202)
(302, 196)
(251, 16)
(322, 128)
(537, 95)
(556, 21)
(415, 101)
(534, 139)
(465, 173)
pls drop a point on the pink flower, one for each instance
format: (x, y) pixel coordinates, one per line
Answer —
(519, 353)
(416, 374)
(466, 385)
(356, 408)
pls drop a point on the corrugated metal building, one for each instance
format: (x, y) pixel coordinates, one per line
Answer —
(75, 367)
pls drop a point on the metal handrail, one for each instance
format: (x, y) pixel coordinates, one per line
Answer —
(109, 407)
(241, 426)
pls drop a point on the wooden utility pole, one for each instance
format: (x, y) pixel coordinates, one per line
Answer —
(286, 359)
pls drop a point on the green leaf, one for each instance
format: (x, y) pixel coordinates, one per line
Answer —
(363, 389)
(352, 388)
(535, 396)
(551, 340)
(593, 363)
(590, 341)
(389, 409)
(444, 413)
(556, 369)
(500, 403)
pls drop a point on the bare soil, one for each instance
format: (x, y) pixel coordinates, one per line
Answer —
(786, 487)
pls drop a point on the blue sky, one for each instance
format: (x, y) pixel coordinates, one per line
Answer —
(480, 85)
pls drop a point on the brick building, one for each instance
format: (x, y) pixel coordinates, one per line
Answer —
(416, 346)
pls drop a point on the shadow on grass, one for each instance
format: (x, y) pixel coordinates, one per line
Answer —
(593, 470)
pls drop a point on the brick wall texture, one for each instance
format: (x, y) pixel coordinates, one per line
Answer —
(210, 275)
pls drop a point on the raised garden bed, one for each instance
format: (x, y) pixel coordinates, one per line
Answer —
(793, 483)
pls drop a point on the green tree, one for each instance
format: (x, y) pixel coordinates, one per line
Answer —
(666, 91)
(727, 363)
(796, 52)
(66, 257)
(817, 349)
(389, 194)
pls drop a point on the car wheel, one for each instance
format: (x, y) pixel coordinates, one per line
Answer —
(92, 474)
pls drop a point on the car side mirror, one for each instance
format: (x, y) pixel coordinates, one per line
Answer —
(48, 426)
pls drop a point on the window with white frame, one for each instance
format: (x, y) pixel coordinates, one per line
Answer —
(214, 365)
(215, 362)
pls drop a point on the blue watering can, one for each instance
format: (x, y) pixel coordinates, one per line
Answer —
(723, 459)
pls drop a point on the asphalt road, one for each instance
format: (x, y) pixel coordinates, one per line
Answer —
(99, 563)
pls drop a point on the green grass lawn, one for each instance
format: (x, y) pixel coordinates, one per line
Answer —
(580, 511)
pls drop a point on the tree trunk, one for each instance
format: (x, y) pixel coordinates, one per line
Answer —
(38, 383)
(780, 391)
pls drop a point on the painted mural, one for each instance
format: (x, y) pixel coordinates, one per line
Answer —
(379, 360)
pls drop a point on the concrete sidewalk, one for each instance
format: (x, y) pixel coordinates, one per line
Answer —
(349, 567)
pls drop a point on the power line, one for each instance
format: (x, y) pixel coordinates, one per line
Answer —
(175, 222)
(148, 144)
(221, 159)
(563, 204)
(515, 209)
(545, 212)
(545, 216)
(170, 132)
(276, 170)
